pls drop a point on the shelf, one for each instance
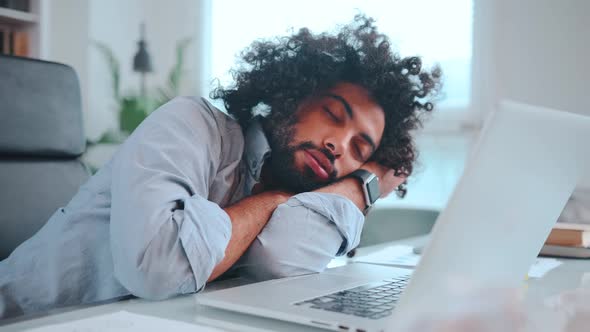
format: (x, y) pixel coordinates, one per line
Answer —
(12, 16)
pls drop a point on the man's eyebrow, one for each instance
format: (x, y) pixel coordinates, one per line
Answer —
(343, 101)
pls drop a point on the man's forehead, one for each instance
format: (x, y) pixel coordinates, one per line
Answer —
(351, 90)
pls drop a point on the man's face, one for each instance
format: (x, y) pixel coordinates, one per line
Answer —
(334, 134)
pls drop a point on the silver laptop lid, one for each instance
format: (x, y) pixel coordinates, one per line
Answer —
(524, 168)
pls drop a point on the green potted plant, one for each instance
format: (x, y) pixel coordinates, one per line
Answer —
(133, 108)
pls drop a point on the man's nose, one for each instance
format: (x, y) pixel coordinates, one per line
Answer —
(335, 146)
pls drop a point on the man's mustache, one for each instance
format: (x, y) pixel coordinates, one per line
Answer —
(310, 145)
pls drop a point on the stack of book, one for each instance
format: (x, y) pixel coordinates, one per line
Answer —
(15, 23)
(568, 240)
(13, 41)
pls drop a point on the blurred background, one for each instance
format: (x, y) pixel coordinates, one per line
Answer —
(133, 55)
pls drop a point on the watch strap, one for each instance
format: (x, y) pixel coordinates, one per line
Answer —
(364, 176)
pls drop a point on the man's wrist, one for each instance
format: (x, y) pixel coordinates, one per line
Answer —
(281, 197)
(277, 197)
(349, 188)
(369, 183)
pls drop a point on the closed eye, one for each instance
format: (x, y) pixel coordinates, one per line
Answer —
(330, 114)
(360, 149)
(359, 154)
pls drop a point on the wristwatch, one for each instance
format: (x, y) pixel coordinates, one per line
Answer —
(370, 184)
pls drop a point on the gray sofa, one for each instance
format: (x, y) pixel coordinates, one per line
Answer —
(41, 139)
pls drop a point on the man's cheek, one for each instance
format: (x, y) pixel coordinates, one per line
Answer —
(299, 160)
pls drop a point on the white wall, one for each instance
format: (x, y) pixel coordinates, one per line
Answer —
(74, 25)
(167, 22)
(66, 21)
(115, 23)
(542, 51)
(549, 49)
(532, 51)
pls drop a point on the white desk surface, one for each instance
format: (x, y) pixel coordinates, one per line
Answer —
(186, 309)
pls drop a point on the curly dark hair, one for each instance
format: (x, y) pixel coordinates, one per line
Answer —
(282, 72)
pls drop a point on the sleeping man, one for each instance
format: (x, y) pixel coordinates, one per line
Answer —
(316, 128)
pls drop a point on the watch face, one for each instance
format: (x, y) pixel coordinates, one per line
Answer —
(373, 189)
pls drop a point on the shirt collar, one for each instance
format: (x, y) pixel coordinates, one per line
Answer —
(256, 148)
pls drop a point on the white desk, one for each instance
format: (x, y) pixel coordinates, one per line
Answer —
(566, 276)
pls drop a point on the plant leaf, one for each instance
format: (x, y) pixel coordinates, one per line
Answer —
(114, 67)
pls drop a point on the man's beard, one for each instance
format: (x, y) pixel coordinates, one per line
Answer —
(281, 163)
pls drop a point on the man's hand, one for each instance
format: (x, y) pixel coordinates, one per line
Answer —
(388, 181)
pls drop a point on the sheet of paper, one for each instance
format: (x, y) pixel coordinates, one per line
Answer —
(543, 265)
(124, 321)
(399, 255)
(404, 256)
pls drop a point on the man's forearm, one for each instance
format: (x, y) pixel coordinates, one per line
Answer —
(248, 217)
(306, 235)
(349, 188)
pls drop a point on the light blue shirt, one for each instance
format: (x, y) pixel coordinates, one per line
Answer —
(150, 223)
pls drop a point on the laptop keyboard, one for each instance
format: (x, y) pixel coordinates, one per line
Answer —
(374, 300)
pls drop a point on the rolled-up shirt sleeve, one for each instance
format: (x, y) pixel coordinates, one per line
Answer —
(302, 236)
(166, 237)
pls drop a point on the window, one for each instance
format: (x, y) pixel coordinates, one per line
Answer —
(439, 31)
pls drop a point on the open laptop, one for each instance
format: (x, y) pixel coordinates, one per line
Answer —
(521, 173)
